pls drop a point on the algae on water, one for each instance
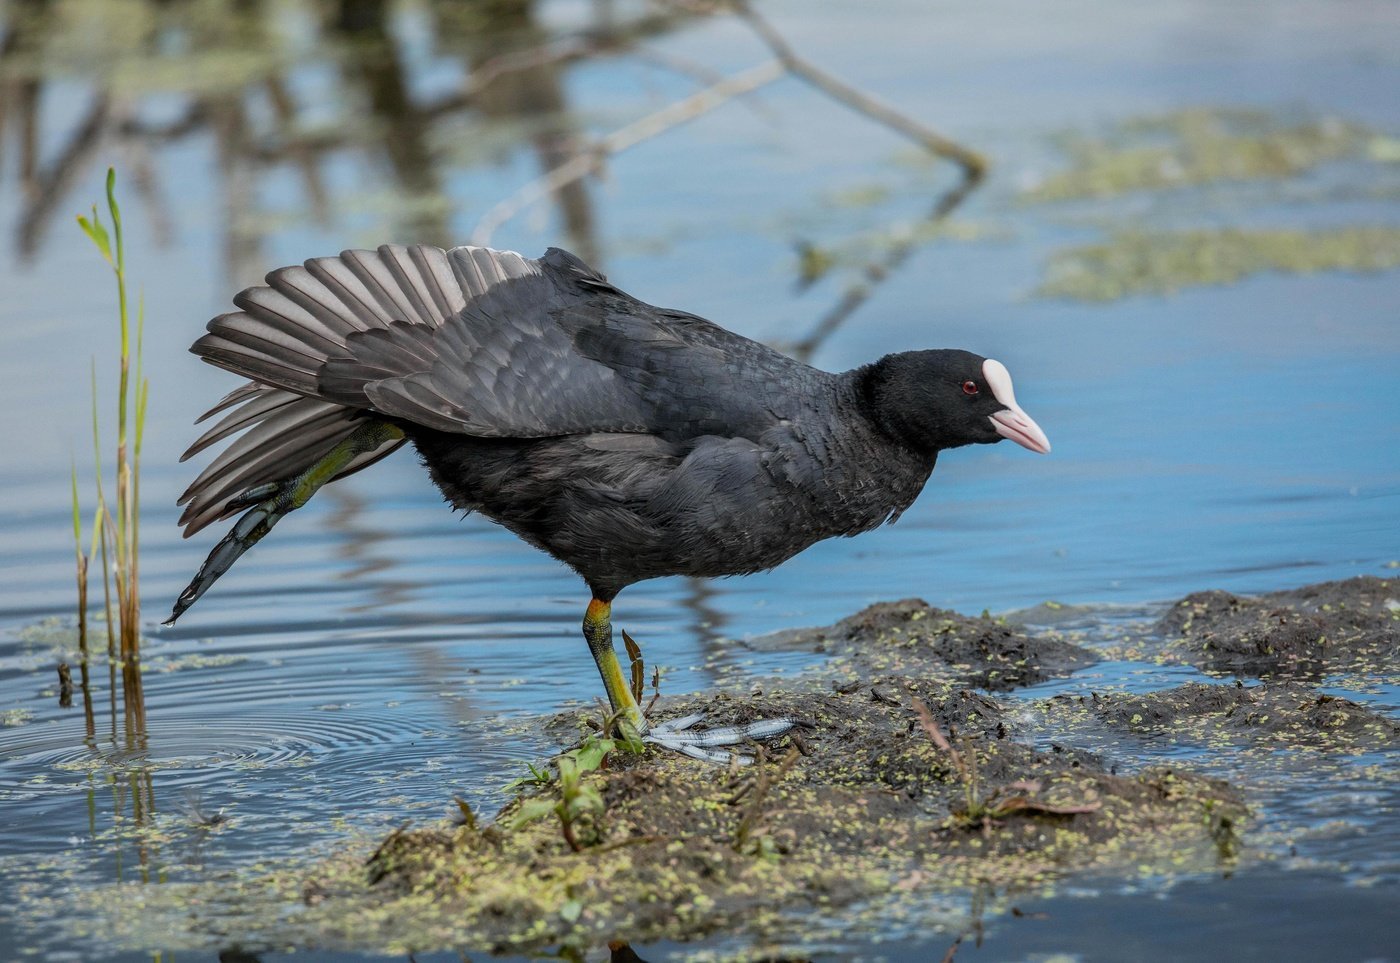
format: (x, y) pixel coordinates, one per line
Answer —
(1228, 148)
(1199, 146)
(1136, 262)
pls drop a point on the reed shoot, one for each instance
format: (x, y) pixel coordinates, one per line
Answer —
(116, 528)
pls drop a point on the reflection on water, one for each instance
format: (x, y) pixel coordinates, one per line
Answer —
(376, 657)
(162, 74)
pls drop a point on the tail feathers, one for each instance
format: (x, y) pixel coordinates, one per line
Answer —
(367, 441)
(258, 404)
(293, 427)
(283, 434)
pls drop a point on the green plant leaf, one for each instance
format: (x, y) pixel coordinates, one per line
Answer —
(591, 754)
(537, 777)
(468, 817)
(588, 800)
(116, 214)
(97, 234)
(531, 810)
(77, 513)
(568, 773)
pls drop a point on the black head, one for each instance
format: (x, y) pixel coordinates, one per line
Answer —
(932, 400)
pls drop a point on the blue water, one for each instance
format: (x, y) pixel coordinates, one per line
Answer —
(375, 656)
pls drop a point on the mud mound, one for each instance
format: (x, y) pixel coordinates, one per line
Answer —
(861, 803)
(1353, 625)
(910, 636)
(1277, 713)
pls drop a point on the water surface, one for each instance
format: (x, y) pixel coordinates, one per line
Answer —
(379, 655)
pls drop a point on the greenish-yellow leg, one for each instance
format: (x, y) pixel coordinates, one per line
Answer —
(597, 629)
(267, 504)
(676, 734)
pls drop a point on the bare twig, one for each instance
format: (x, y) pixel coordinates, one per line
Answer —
(702, 74)
(1024, 804)
(590, 160)
(761, 786)
(53, 184)
(972, 163)
(65, 686)
(655, 690)
(877, 272)
(613, 38)
(192, 121)
(930, 726)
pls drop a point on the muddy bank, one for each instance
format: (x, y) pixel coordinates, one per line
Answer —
(1283, 714)
(913, 779)
(902, 782)
(912, 637)
(864, 804)
(1347, 626)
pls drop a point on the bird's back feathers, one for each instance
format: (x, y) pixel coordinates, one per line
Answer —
(468, 341)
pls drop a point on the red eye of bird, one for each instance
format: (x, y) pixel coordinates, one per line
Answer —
(969, 387)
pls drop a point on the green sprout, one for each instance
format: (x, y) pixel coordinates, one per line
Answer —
(577, 800)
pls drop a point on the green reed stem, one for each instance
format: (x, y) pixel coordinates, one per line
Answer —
(123, 569)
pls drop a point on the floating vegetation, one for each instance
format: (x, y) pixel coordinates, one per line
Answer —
(1138, 262)
(1200, 146)
(53, 632)
(195, 660)
(1257, 157)
(854, 252)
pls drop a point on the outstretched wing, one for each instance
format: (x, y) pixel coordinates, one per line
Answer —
(305, 315)
(462, 341)
(492, 344)
(502, 367)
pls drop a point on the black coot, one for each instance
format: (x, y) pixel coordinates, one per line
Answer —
(627, 441)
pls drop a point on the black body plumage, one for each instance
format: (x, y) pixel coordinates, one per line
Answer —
(626, 440)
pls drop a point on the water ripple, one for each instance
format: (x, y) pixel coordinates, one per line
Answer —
(54, 758)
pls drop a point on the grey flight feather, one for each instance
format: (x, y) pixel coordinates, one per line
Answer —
(283, 435)
(491, 344)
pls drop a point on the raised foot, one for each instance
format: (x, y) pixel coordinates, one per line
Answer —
(706, 744)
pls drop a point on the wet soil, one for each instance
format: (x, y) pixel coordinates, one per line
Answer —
(901, 781)
(1346, 626)
(863, 803)
(911, 636)
(1285, 714)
